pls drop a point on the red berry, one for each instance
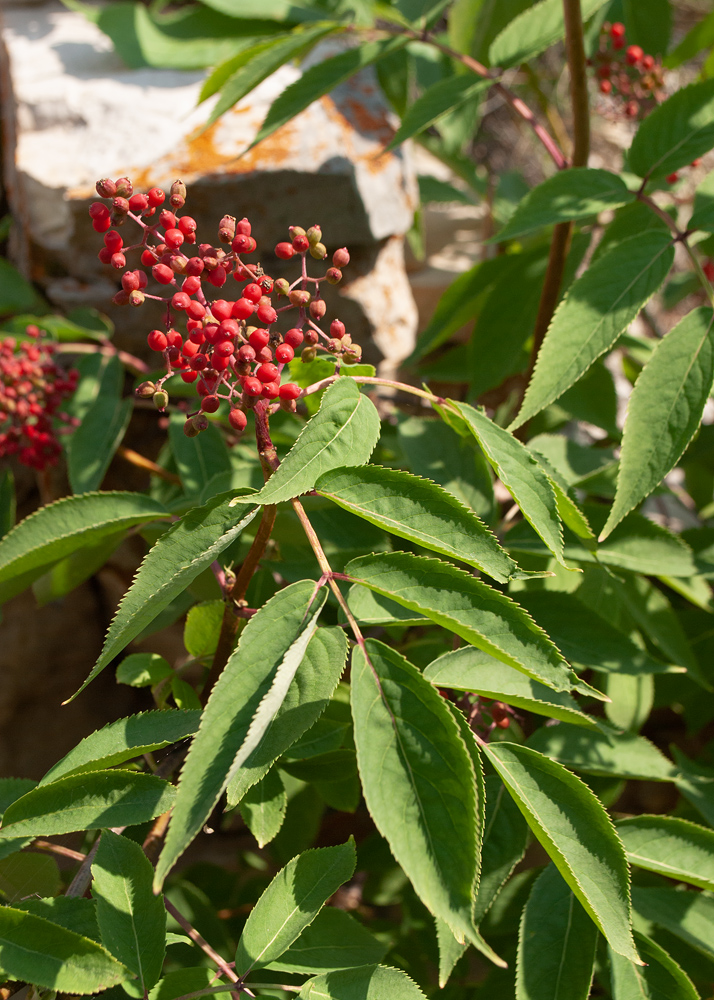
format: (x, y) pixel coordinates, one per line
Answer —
(199, 362)
(191, 285)
(98, 210)
(243, 243)
(253, 386)
(217, 276)
(290, 391)
(186, 224)
(284, 353)
(284, 251)
(163, 274)
(259, 338)
(271, 390)
(105, 255)
(243, 308)
(220, 362)
(228, 328)
(194, 266)
(221, 309)
(341, 257)
(147, 258)
(618, 43)
(301, 244)
(106, 188)
(634, 54)
(113, 241)
(246, 353)
(102, 223)
(223, 349)
(267, 372)
(174, 238)
(190, 348)
(209, 404)
(189, 376)
(180, 301)
(196, 310)
(672, 178)
(708, 269)
(213, 334)
(167, 219)
(617, 30)
(130, 281)
(174, 338)
(337, 329)
(266, 314)
(118, 261)
(604, 71)
(138, 203)
(293, 337)
(264, 355)
(156, 197)
(252, 292)
(238, 420)
(243, 227)
(648, 63)
(157, 340)
(605, 87)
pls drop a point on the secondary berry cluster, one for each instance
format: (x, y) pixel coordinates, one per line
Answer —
(32, 388)
(231, 348)
(628, 76)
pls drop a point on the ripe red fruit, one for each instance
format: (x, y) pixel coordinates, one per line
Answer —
(217, 276)
(174, 238)
(147, 258)
(138, 203)
(708, 269)
(167, 219)
(341, 257)
(271, 390)
(284, 353)
(106, 188)
(195, 310)
(672, 178)
(209, 404)
(243, 244)
(284, 251)
(113, 241)
(130, 281)
(238, 420)
(105, 255)
(156, 197)
(246, 353)
(118, 261)
(190, 376)
(157, 340)
(243, 308)
(220, 362)
(98, 210)
(223, 349)
(259, 338)
(634, 54)
(253, 386)
(163, 274)
(301, 244)
(194, 266)
(294, 337)
(199, 362)
(266, 314)
(102, 223)
(186, 224)
(174, 338)
(252, 292)
(228, 328)
(617, 30)
(190, 348)
(605, 87)
(180, 301)
(290, 391)
(648, 63)
(243, 227)
(267, 372)
(221, 309)
(191, 285)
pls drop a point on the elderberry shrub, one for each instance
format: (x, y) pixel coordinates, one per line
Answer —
(231, 349)
(631, 80)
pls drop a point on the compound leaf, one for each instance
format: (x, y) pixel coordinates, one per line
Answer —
(439, 99)
(660, 979)
(677, 132)
(371, 982)
(671, 846)
(263, 807)
(533, 31)
(334, 940)
(608, 753)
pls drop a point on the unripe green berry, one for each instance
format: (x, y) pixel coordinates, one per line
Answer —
(319, 251)
(308, 354)
(314, 235)
(161, 399)
(298, 297)
(145, 391)
(136, 298)
(282, 286)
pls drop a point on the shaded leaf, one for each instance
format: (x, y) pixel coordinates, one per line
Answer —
(677, 132)
(687, 915)
(371, 982)
(606, 753)
(660, 979)
(198, 459)
(343, 432)
(30, 874)
(291, 902)
(671, 846)
(334, 940)
(533, 31)
(597, 308)
(439, 99)
(263, 807)
(92, 445)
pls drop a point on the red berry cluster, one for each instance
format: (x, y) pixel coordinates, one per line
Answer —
(222, 351)
(32, 387)
(632, 79)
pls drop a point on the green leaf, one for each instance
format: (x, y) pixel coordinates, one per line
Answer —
(88, 802)
(521, 474)
(556, 943)
(125, 739)
(671, 846)
(677, 132)
(343, 432)
(573, 827)
(74, 913)
(374, 609)
(306, 700)
(419, 510)
(320, 79)
(439, 99)
(664, 410)
(68, 573)
(92, 445)
(577, 193)
(607, 753)
(696, 784)
(181, 981)
(54, 532)
(631, 700)
(701, 36)
(660, 979)
(505, 838)
(143, 670)
(533, 31)
(35, 950)
(16, 293)
(650, 26)
(334, 940)
(418, 781)
(469, 669)
(291, 902)
(450, 951)
(597, 308)
(11, 789)
(199, 458)
(688, 915)
(241, 707)
(263, 807)
(586, 639)
(703, 209)
(7, 502)
(24, 875)
(177, 558)
(132, 920)
(457, 601)
(371, 982)
(202, 628)
(240, 75)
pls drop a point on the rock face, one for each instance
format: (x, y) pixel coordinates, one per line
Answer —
(76, 113)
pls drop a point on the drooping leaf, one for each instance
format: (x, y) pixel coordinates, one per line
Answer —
(448, 94)
(371, 982)
(687, 915)
(597, 308)
(671, 846)
(418, 780)
(470, 669)
(132, 920)
(677, 132)
(521, 474)
(334, 940)
(92, 445)
(54, 532)
(320, 79)
(664, 410)
(450, 950)
(88, 802)
(263, 807)
(343, 432)
(573, 827)
(241, 707)
(660, 979)
(457, 601)
(570, 194)
(291, 902)
(607, 753)
(125, 739)
(35, 950)
(420, 511)
(184, 551)
(199, 458)
(533, 31)
(505, 838)
(556, 943)
(306, 700)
